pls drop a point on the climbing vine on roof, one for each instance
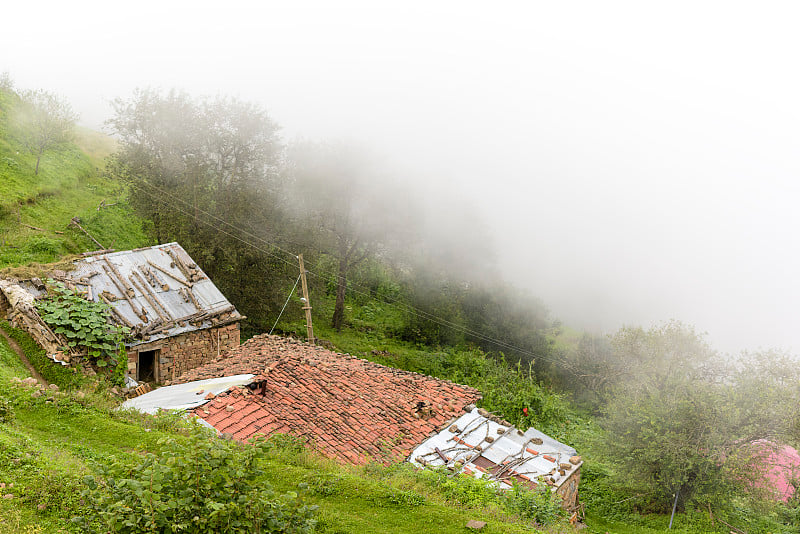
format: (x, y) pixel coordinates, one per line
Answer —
(85, 324)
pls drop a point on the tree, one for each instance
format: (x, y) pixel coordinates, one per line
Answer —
(588, 368)
(6, 81)
(682, 417)
(340, 198)
(203, 172)
(44, 121)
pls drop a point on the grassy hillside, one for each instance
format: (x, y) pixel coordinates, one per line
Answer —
(51, 442)
(48, 443)
(70, 183)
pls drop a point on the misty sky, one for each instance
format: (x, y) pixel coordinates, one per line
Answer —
(634, 161)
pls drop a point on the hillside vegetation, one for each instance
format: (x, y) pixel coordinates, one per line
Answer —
(69, 184)
(640, 406)
(49, 442)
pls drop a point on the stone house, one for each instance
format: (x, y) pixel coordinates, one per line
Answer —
(358, 411)
(351, 409)
(177, 318)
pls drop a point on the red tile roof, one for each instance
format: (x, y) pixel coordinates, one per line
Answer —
(351, 408)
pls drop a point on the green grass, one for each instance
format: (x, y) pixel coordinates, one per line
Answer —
(10, 364)
(53, 440)
(377, 499)
(48, 447)
(70, 183)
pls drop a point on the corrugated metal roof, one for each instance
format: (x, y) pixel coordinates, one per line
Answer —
(184, 396)
(476, 445)
(157, 284)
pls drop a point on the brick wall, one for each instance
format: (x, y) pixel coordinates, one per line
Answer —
(180, 353)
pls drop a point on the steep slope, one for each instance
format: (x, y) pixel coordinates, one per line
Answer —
(36, 210)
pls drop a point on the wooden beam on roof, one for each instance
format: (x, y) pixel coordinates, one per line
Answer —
(171, 275)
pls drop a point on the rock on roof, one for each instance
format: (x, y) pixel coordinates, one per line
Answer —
(351, 408)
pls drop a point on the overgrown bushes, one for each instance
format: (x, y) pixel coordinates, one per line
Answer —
(509, 390)
(195, 485)
(540, 504)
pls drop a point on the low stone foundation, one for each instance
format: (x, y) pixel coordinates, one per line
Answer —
(170, 357)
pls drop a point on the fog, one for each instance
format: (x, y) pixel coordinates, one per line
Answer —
(633, 162)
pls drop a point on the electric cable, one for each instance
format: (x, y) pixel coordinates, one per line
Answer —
(285, 303)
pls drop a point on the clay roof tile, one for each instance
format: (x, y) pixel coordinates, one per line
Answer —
(346, 405)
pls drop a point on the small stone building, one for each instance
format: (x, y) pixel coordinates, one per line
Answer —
(178, 319)
(351, 409)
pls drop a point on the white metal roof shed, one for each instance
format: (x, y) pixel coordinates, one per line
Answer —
(477, 445)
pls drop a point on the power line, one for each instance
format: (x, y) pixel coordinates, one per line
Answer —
(285, 303)
(354, 287)
(234, 236)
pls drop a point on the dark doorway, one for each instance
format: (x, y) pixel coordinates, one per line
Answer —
(146, 368)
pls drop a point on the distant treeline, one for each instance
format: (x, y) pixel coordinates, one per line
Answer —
(215, 175)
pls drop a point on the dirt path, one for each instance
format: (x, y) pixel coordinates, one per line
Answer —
(16, 348)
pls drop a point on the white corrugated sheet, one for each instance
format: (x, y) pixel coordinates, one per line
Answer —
(184, 396)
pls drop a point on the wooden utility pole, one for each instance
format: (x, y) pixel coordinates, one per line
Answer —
(306, 301)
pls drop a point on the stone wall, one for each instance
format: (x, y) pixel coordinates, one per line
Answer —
(180, 353)
(568, 490)
(5, 307)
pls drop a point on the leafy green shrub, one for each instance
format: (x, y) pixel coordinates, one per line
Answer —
(10, 163)
(85, 324)
(44, 246)
(196, 485)
(164, 420)
(540, 504)
(401, 497)
(789, 513)
(324, 484)
(64, 377)
(604, 495)
(467, 490)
